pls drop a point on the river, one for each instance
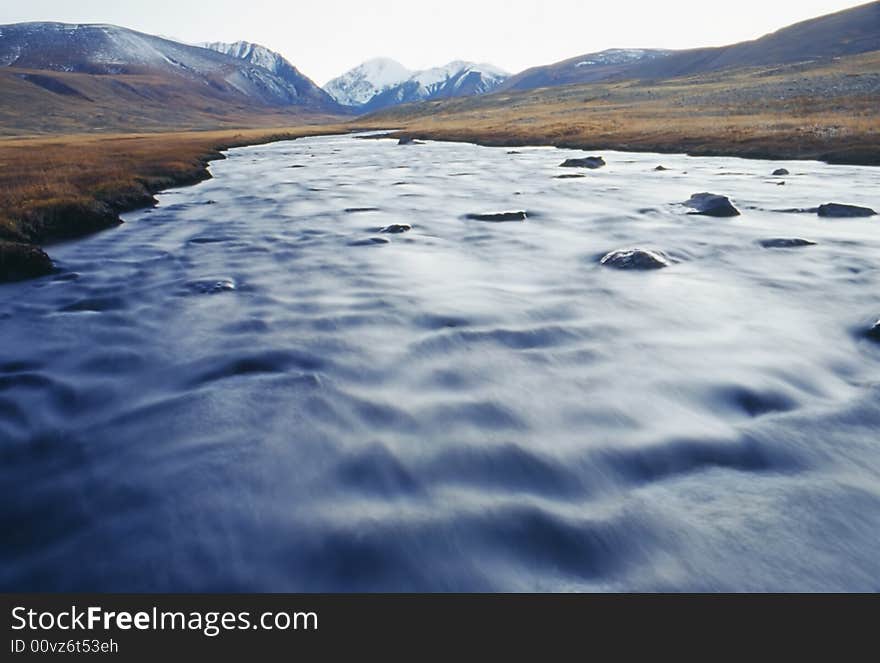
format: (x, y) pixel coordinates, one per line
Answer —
(251, 388)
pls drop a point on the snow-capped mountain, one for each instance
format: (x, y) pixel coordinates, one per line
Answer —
(381, 83)
(358, 86)
(112, 50)
(261, 56)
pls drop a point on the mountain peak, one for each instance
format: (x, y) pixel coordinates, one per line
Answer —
(357, 86)
(383, 82)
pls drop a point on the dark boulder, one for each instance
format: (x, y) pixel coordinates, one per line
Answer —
(396, 229)
(710, 204)
(780, 172)
(786, 243)
(22, 261)
(635, 259)
(499, 217)
(587, 162)
(838, 211)
(660, 169)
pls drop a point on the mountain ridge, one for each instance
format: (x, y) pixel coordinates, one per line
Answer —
(847, 32)
(274, 62)
(108, 50)
(382, 82)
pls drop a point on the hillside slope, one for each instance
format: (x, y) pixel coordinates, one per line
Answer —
(848, 32)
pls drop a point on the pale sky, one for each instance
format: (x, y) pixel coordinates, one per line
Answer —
(324, 38)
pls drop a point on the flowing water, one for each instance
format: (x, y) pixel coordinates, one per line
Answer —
(242, 390)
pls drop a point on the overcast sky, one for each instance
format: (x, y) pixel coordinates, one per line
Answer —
(324, 38)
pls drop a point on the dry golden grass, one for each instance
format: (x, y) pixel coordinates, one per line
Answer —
(63, 186)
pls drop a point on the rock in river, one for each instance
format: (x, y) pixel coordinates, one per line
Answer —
(838, 211)
(786, 243)
(210, 287)
(22, 261)
(780, 172)
(711, 204)
(499, 217)
(587, 162)
(396, 228)
(639, 259)
(874, 332)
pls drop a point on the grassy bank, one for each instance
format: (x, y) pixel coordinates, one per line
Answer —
(66, 186)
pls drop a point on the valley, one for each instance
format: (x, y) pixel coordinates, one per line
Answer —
(607, 323)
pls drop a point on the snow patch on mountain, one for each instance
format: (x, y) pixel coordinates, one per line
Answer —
(620, 56)
(253, 53)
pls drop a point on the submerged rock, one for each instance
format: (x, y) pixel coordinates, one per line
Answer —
(372, 241)
(711, 204)
(660, 169)
(839, 211)
(396, 228)
(570, 176)
(211, 287)
(638, 259)
(786, 243)
(499, 217)
(780, 172)
(23, 261)
(587, 162)
(874, 332)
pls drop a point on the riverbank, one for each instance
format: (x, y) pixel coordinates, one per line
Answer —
(823, 111)
(60, 187)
